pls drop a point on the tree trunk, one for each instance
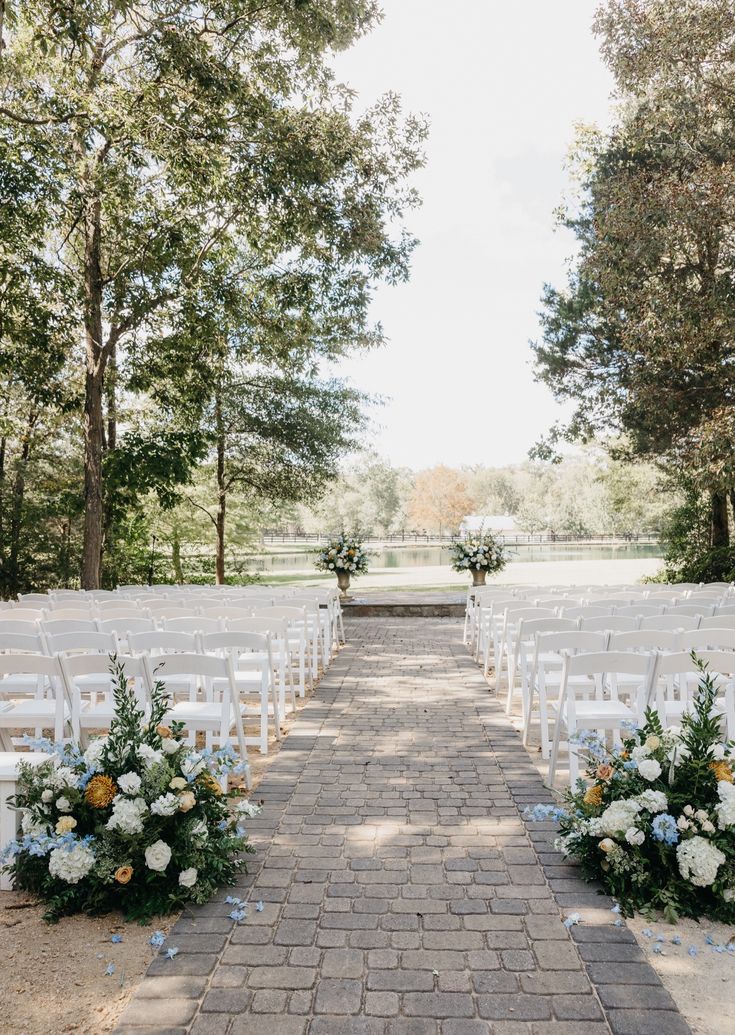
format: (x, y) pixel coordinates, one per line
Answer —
(221, 493)
(176, 559)
(720, 532)
(94, 428)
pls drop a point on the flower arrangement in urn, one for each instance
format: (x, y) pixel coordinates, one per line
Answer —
(656, 825)
(480, 554)
(345, 556)
(137, 822)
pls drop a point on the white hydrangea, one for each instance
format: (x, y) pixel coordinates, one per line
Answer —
(149, 756)
(60, 777)
(699, 861)
(726, 809)
(653, 801)
(93, 754)
(71, 864)
(166, 805)
(619, 816)
(640, 752)
(649, 769)
(129, 783)
(30, 826)
(127, 815)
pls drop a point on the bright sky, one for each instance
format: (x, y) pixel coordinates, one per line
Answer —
(503, 85)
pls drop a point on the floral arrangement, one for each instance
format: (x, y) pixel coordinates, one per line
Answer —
(478, 553)
(656, 827)
(137, 822)
(343, 554)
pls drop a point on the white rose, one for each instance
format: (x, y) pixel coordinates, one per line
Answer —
(170, 746)
(157, 856)
(129, 783)
(718, 752)
(649, 769)
(634, 836)
(188, 878)
(48, 795)
(63, 804)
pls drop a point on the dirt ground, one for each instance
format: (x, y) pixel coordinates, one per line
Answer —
(53, 977)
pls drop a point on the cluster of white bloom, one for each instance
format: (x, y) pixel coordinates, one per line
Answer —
(169, 745)
(149, 756)
(129, 783)
(193, 765)
(726, 809)
(199, 831)
(248, 808)
(653, 801)
(188, 878)
(31, 826)
(93, 754)
(60, 777)
(617, 817)
(127, 815)
(699, 861)
(691, 819)
(71, 864)
(166, 805)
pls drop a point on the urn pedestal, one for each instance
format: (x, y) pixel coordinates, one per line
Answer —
(478, 577)
(343, 581)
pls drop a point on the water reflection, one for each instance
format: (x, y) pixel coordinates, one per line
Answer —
(432, 556)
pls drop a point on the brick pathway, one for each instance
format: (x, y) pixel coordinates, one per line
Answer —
(403, 894)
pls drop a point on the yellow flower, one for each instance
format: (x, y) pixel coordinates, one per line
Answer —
(178, 783)
(163, 732)
(210, 782)
(65, 825)
(653, 742)
(123, 874)
(722, 771)
(593, 795)
(187, 801)
(100, 791)
(606, 845)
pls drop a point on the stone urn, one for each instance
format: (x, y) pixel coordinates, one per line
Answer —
(343, 581)
(478, 577)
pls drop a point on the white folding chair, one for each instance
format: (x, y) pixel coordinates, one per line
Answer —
(214, 714)
(82, 642)
(718, 621)
(195, 625)
(504, 632)
(89, 686)
(296, 636)
(604, 710)
(677, 680)
(586, 611)
(644, 610)
(59, 626)
(23, 614)
(548, 659)
(22, 643)
(47, 710)
(609, 623)
(693, 610)
(523, 651)
(33, 599)
(707, 638)
(674, 623)
(121, 629)
(252, 666)
(277, 630)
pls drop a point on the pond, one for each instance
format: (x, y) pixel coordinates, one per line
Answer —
(433, 556)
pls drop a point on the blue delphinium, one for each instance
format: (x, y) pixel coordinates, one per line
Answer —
(544, 813)
(664, 829)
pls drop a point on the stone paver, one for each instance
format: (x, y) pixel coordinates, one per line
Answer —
(402, 893)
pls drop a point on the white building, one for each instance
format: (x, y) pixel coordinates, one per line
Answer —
(498, 524)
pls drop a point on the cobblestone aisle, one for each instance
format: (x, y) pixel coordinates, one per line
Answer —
(402, 893)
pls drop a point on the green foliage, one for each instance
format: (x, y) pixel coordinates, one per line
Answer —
(656, 823)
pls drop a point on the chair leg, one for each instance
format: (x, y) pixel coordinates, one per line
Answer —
(554, 752)
(8, 827)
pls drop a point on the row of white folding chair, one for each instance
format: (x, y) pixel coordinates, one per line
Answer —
(66, 706)
(667, 682)
(533, 638)
(250, 647)
(670, 631)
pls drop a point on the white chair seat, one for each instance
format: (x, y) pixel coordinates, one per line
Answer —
(34, 711)
(606, 710)
(10, 761)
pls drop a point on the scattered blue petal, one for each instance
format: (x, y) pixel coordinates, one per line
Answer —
(718, 948)
(660, 938)
(157, 939)
(657, 949)
(692, 950)
(647, 932)
(572, 919)
(170, 953)
(676, 940)
(116, 939)
(708, 939)
(110, 970)
(615, 908)
(259, 906)
(238, 914)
